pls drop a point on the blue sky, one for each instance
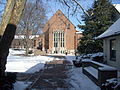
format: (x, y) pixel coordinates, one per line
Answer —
(54, 6)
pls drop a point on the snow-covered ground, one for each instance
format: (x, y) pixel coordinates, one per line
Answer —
(70, 58)
(19, 85)
(25, 64)
(32, 64)
(78, 80)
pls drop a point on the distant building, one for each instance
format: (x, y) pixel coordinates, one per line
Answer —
(60, 35)
(19, 41)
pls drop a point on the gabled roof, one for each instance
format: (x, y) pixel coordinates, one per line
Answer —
(111, 31)
(58, 12)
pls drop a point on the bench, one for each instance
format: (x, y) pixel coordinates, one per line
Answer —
(98, 72)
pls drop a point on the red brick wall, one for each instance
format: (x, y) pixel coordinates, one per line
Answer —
(60, 22)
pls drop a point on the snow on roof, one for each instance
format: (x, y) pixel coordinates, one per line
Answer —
(112, 30)
(79, 32)
(23, 36)
(117, 6)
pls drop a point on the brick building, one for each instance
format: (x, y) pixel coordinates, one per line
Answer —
(60, 35)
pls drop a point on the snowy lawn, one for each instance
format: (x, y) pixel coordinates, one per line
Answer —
(28, 64)
(25, 64)
(32, 64)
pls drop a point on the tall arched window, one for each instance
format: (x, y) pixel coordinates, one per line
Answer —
(59, 39)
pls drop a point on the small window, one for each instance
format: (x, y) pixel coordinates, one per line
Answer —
(59, 14)
(113, 49)
(68, 26)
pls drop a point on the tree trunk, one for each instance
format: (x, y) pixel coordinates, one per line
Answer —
(6, 16)
(8, 36)
(27, 47)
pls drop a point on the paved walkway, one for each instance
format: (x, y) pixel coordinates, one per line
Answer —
(52, 77)
(58, 75)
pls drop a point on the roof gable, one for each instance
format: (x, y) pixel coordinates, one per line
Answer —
(59, 13)
(58, 16)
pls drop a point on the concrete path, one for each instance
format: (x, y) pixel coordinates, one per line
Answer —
(52, 77)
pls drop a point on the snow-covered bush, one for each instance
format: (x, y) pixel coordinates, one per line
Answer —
(95, 57)
(86, 56)
(77, 63)
(111, 84)
(98, 57)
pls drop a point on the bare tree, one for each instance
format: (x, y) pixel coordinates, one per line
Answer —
(32, 21)
(8, 35)
(74, 4)
(74, 8)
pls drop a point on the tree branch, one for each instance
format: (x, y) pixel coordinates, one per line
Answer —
(81, 7)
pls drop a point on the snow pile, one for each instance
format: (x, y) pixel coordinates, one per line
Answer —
(97, 54)
(86, 60)
(12, 52)
(111, 84)
(79, 81)
(86, 56)
(89, 57)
